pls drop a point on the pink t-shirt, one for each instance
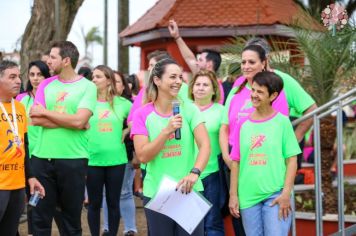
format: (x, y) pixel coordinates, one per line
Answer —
(240, 106)
(138, 102)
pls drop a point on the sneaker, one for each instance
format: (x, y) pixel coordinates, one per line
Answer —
(129, 233)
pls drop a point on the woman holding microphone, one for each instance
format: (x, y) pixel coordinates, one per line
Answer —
(153, 132)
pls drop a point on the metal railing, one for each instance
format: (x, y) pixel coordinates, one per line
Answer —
(334, 105)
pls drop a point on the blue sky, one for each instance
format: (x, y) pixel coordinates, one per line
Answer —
(16, 13)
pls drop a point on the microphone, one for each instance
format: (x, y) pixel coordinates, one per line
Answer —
(175, 105)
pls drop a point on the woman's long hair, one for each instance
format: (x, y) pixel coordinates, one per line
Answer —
(261, 55)
(126, 93)
(111, 90)
(157, 71)
(44, 71)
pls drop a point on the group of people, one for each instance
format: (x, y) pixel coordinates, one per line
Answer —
(238, 148)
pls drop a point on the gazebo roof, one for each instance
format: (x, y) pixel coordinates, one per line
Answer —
(211, 15)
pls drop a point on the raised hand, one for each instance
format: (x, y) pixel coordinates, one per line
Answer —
(173, 29)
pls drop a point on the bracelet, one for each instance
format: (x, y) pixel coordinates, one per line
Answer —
(177, 38)
(195, 171)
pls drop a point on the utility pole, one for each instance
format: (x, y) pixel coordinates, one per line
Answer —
(123, 21)
(105, 32)
(118, 36)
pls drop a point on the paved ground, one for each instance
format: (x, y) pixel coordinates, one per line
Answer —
(140, 221)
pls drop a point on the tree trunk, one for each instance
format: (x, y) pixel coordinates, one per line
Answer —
(123, 63)
(327, 138)
(41, 29)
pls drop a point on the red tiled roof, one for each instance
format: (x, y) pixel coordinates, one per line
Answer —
(215, 13)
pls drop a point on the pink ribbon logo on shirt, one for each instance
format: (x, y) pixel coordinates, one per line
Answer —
(61, 96)
(257, 141)
(104, 114)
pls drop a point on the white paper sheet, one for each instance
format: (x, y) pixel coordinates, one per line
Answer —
(186, 209)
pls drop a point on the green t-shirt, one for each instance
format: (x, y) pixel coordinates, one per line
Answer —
(32, 131)
(105, 133)
(64, 97)
(213, 117)
(184, 93)
(262, 147)
(298, 99)
(176, 159)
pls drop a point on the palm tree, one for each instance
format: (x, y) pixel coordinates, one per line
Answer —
(331, 59)
(90, 38)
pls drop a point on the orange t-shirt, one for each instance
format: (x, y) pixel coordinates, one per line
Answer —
(12, 158)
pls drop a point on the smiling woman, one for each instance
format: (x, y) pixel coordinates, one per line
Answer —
(153, 132)
(264, 163)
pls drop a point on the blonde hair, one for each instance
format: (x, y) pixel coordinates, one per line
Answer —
(157, 71)
(110, 75)
(214, 81)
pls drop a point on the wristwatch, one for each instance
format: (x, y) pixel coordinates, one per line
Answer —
(195, 171)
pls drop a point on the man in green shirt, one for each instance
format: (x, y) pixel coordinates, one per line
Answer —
(63, 105)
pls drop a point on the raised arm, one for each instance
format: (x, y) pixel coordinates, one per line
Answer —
(187, 54)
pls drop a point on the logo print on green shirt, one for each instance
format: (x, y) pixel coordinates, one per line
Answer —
(257, 141)
(104, 114)
(61, 96)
